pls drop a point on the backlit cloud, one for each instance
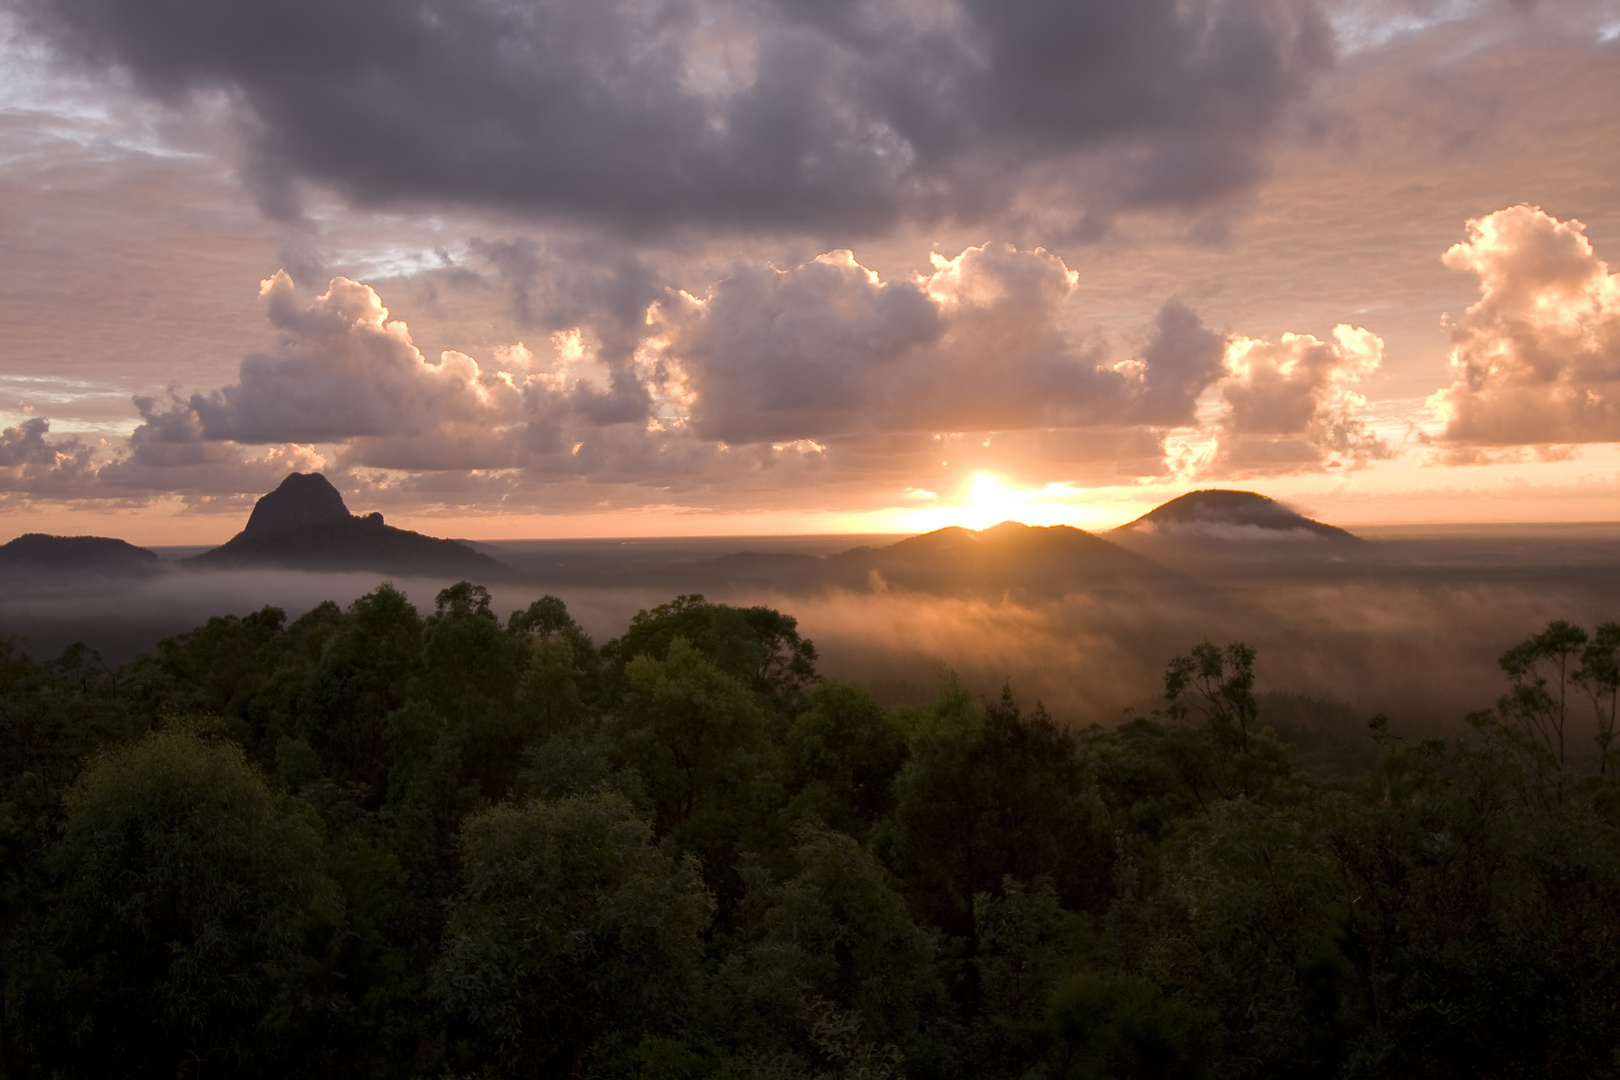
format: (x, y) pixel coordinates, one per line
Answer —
(983, 343)
(1290, 407)
(1536, 361)
(32, 462)
(822, 374)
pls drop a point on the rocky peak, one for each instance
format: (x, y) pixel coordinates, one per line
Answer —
(302, 499)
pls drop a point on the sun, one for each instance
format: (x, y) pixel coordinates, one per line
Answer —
(987, 494)
(985, 500)
(989, 502)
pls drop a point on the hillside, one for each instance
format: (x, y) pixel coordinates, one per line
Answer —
(1008, 555)
(1223, 518)
(36, 552)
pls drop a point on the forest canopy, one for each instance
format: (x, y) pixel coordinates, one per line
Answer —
(370, 842)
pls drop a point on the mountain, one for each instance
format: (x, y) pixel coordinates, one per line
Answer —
(305, 525)
(35, 552)
(1218, 518)
(1006, 556)
(302, 499)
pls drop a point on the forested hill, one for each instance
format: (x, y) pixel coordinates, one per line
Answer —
(365, 843)
(1221, 518)
(34, 553)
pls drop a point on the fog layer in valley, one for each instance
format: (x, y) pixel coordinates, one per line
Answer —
(1411, 625)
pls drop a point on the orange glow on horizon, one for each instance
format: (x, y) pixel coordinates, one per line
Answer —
(1396, 493)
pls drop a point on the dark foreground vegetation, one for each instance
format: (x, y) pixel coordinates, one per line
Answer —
(369, 844)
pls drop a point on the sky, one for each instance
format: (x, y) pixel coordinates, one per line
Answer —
(666, 267)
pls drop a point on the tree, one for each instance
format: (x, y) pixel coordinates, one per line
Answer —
(1478, 915)
(758, 645)
(363, 674)
(833, 971)
(561, 671)
(1217, 686)
(53, 715)
(1537, 718)
(216, 668)
(187, 888)
(701, 743)
(841, 756)
(1122, 1027)
(989, 794)
(1599, 677)
(1541, 670)
(1214, 688)
(470, 678)
(570, 923)
(1242, 931)
(1024, 946)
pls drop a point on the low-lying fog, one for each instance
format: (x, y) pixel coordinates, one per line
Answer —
(1412, 630)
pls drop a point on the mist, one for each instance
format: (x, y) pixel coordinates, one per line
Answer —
(1412, 628)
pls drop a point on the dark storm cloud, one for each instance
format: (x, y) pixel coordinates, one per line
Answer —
(748, 113)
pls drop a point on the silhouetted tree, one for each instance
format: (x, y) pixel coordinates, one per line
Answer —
(758, 645)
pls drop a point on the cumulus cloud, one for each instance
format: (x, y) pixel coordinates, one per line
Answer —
(342, 371)
(31, 462)
(791, 113)
(825, 354)
(821, 375)
(1536, 362)
(33, 465)
(198, 471)
(827, 348)
(1289, 406)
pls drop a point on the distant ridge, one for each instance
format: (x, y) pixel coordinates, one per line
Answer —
(1008, 555)
(78, 554)
(305, 525)
(1221, 516)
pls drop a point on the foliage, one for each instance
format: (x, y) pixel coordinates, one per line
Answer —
(701, 743)
(368, 843)
(840, 758)
(569, 922)
(833, 973)
(759, 646)
(187, 888)
(991, 794)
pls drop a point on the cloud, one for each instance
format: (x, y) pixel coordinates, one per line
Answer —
(30, 462)
(201, 472)
(342, 371)
(1536, 361)
(154, 461)
(1289, 407)
(827, 349)
(773, 382)
(824, 361)
(746, 113)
